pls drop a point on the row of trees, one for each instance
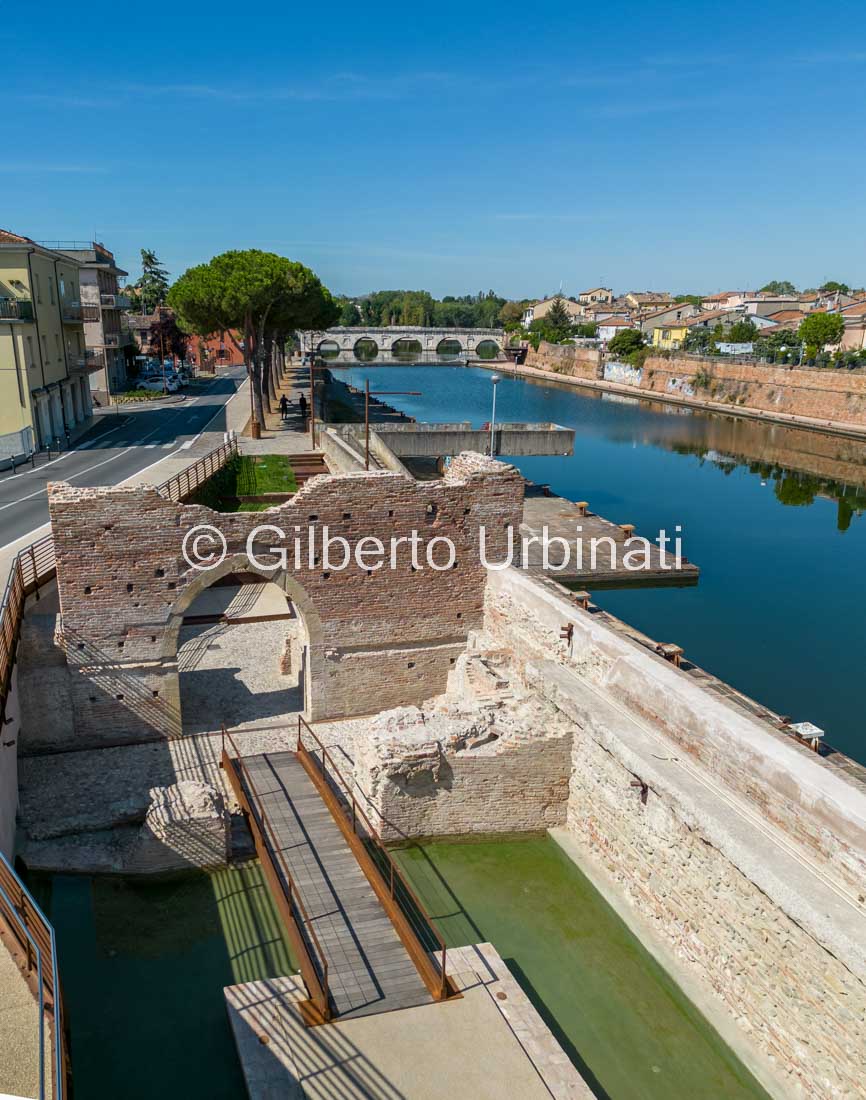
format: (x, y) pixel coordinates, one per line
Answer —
(419, 307)
(259, 299)
(785, 286)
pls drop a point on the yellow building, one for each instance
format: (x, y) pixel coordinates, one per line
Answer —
(671, 335)
(44, 388)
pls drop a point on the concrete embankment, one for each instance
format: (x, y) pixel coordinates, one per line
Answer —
(822, 400)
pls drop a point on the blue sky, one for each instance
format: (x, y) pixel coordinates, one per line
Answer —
(450, 147)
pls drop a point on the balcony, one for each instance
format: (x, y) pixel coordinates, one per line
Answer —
(117, 339)
(71, 312)
(90, 360)
(114, 301)
(16, 309)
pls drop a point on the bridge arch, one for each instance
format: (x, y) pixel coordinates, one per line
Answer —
(328, 349)
(407, 345)
(487, 349)
(449, 345)
(366, 349)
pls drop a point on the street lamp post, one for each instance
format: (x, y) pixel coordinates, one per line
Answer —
(495, 379)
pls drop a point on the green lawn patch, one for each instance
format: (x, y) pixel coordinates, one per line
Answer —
(246, 476)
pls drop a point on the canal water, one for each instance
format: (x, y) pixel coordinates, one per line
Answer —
(616, 1013)
(144, 964)
(772, 515)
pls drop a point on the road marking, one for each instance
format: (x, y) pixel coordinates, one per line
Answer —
(66, 454)
(120, 454)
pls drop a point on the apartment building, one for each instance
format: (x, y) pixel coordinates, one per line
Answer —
(44, 365)
(102, 303)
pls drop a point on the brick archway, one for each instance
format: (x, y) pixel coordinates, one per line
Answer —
(294, 590)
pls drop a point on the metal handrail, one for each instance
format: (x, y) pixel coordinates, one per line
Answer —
(183, 483)
(395, 875)
(17, 915)
(294, 895)
(31, 568)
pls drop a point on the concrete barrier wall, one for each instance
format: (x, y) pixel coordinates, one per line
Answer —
(816, 804)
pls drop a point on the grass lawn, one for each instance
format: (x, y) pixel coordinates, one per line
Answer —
(247, 476)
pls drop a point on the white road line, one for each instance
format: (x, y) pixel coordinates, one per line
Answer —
(66, 454)
(120, 454)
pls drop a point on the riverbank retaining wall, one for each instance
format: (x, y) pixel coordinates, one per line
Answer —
(743, 855)
(828, 395)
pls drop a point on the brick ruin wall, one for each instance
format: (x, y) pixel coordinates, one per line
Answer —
(799, 1005)
(819, 394)
(375, 639)
(522, 789)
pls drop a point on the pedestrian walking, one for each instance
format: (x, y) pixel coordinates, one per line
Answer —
(302, 404)
(284, 408)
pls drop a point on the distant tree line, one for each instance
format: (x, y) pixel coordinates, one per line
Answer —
(384, 308)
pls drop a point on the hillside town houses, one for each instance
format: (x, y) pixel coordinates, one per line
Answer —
(665, 321)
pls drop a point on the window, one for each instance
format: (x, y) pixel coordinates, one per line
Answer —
(50, 290)
(38, 289)
(57, 344)
(62, 287)
(45, 348)
(31, 358)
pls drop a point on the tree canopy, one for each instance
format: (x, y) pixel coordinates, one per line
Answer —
(625, 342)
(819, 329)
(152, 287)
(831, 287)
(743, 332)
(258, 295)
(779, 286)
(167, 337)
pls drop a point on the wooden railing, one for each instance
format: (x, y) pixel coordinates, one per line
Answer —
(180, 486)
(411, 922)
(308, 950)
(31, 568)
(32, 941)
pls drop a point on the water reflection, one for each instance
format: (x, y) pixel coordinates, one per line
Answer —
(769, 513)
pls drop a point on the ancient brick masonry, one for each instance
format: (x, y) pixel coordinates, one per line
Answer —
(375, 638)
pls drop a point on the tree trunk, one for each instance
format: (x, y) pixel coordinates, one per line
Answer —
(253, 373)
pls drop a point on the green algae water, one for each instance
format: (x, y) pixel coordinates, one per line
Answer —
(144, 963)
(143, 966)
(616, 1013)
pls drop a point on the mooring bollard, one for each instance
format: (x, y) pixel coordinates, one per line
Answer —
(670, 652)
(582, 506)
(581, 599)
(627, 529)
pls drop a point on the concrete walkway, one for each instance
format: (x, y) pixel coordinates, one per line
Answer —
(19, 1033)
(488, 1044)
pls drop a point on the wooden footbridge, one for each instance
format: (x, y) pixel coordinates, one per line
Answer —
(360, 935)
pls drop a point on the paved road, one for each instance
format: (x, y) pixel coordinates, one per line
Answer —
(120, 444)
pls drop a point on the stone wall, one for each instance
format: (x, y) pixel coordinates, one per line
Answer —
(827, 395)
(375, 638)
(562, 359)
(745, 875)
(795, 1001)
(817, 805)
(430, 791)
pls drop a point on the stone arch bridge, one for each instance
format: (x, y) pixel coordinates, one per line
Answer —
(346, 339)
